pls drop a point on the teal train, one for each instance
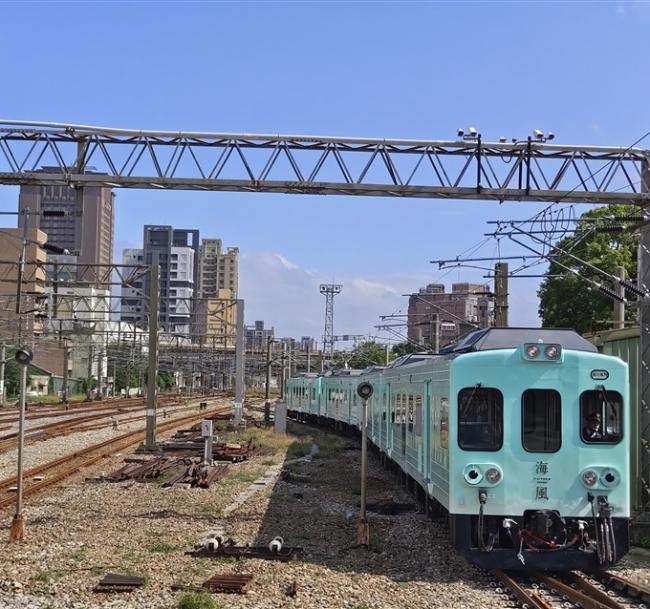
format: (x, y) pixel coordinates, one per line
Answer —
(520, 436)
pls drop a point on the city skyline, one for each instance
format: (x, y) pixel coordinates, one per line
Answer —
(378, 248)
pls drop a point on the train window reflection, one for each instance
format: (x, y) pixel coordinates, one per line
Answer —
(601, 416)
(480, 418)
(541, 420)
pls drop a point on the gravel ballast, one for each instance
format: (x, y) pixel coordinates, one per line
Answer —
(81, 530)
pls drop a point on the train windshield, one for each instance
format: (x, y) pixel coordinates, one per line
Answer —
(601, 416)
(541, 420)
(480, 418)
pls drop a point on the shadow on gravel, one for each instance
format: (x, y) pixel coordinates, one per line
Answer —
(315, 506)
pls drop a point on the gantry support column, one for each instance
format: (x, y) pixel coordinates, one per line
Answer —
(152, 368)
(641, 469)
(239, 364)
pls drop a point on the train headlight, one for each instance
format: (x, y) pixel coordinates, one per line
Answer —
(532, 351)
(493, 475)
(473, 474)
(589, 477)
(609, 478)
(553, 352)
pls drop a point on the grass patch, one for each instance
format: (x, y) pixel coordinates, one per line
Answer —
(200, 567)
(328, 447)
(197, 600)
(145, 576)
(45, 577)
(298, 450)
(208, 508)
(242, 477)
(162, 548)
(78, 555)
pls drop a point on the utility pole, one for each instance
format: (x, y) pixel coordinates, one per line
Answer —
(283, 369)
(3, 356)
(619, 306)
(66, 359)
(309, 355)
(267, 387)
(89, 373)
(152, 368)
(239, 364)
(435, 332)
(19, 277)
(501, 295)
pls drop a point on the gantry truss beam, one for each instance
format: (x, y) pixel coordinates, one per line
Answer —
(78, 155)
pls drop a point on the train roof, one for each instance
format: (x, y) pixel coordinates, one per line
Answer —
(510, 338)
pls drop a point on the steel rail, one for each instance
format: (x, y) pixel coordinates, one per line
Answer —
(75, 424)
(104, 450)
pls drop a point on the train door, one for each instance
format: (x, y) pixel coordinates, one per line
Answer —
(426, 416)
(389, 431)
(405, 406)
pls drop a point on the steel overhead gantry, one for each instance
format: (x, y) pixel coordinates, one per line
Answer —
(40, 153)
(78, 155)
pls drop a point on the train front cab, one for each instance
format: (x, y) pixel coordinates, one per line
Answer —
(533, 483)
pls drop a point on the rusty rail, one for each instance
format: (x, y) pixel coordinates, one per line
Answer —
(103, 450)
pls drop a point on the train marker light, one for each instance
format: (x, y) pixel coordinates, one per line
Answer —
(589, 478)
(493, 475)
(532, 351)
(610, 478)
(553, 351)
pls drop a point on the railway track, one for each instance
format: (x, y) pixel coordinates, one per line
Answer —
(80, 424)
(47, 474)
(570, 590)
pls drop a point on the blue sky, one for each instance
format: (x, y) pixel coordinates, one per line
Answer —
(407, 70)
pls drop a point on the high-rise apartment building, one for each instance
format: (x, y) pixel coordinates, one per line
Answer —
(90, 237)
(177, 252)
(433, 311)
(257, 336)
(218, 270)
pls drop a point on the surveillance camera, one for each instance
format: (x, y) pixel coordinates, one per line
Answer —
(461, 132)
(503, 140)
(472, 131)
(24, 356)
(538, 134)
(550, 136)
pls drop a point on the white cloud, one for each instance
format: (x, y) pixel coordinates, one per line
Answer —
(286, 296)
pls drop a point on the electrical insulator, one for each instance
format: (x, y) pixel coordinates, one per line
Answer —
(613, 295)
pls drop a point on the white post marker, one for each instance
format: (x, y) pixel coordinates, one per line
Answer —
(206, 434)
(364, 390)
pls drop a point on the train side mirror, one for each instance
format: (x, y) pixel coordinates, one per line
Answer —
(364, 390)
(24, 356)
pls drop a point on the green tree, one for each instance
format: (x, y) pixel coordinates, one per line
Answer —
(363, 355)
(403, 348)
(569, 301)
(166, 380)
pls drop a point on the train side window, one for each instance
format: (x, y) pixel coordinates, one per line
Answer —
(601, 416)
(480, 418)
(418, 415)
(444, 423)
(541, 417)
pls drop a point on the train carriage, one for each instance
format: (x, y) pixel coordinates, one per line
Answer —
(521, 435)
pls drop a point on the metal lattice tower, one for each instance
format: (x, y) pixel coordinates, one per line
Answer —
(329, 290)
